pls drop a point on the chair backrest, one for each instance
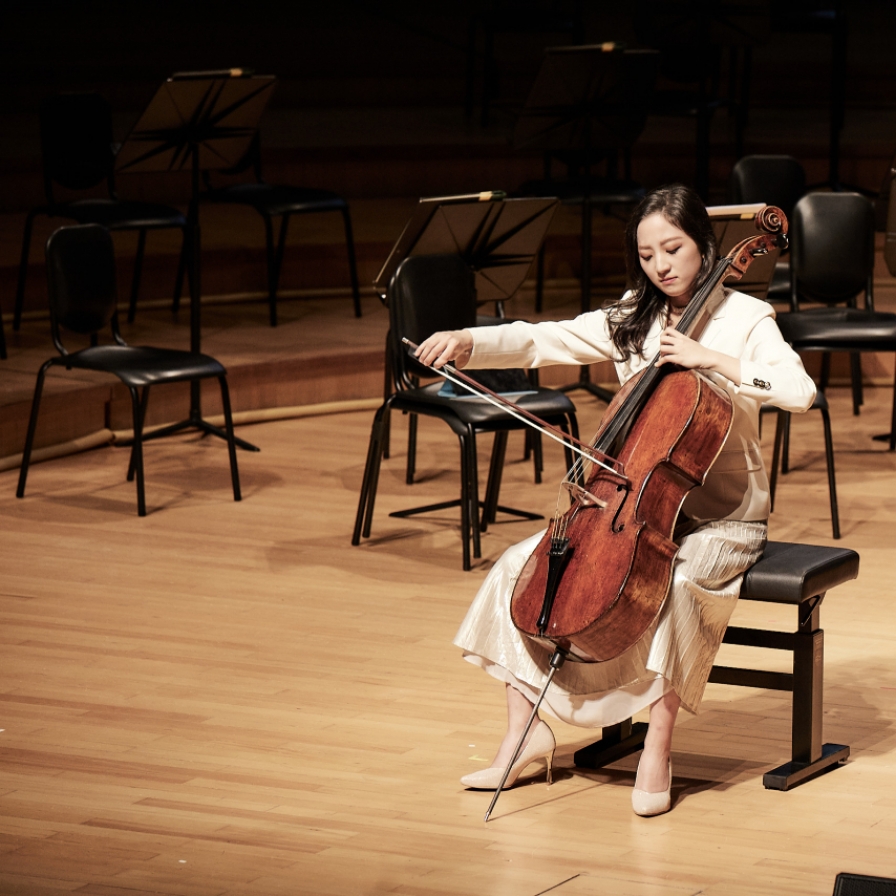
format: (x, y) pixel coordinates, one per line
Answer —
(832, 248)
(250, 159)
(427, 293)
(81, 281)
(76, 141)
(772, 179)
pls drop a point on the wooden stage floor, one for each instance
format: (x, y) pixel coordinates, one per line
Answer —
(226, 698)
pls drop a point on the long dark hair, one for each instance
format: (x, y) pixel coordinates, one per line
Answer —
(631, 317)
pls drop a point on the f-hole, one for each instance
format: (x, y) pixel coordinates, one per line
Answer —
(614, 526)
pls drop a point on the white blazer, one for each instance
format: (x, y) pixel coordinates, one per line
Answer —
(741, 326)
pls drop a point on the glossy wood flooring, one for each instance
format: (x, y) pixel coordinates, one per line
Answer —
(228, 698)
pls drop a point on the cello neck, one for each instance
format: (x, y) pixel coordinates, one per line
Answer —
(653, 374)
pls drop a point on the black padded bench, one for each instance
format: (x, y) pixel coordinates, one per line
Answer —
(795, 574)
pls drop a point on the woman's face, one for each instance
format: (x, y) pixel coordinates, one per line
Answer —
(669, 257)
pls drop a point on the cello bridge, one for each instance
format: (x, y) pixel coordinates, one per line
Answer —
(578, 494)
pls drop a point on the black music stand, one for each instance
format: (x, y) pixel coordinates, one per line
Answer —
(588, 101)
(497, 237)
(204, 120)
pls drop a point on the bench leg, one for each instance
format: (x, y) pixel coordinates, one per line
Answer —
(809, 755)
(617, 741)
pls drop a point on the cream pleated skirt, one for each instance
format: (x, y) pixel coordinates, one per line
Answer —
(676, 652)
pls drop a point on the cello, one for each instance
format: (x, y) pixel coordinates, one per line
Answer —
(600, 575)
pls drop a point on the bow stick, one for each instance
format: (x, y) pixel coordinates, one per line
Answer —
(588, 452)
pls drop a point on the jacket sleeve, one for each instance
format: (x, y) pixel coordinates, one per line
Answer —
(772, 372)
(583, 340)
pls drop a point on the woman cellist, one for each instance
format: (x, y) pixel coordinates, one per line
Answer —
(670, 252)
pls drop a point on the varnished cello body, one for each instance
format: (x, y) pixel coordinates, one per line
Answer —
(665, 429)
(619, 566)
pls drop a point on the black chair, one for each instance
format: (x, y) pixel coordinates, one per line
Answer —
(78, 155)
(847, 884)
(775, 180)
(832, 262)
(282, 201)
(430, 293)
(81, 281)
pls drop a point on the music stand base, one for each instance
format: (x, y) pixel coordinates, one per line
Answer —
(192, 422)
(445, 505)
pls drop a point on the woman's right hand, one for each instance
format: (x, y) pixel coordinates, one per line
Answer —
(448, 345)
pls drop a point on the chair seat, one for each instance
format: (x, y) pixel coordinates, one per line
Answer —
(792, 573)
(572, 191)
(550, 405)
(140, 366)
(839, 329)
(273, 199)
(116, 214)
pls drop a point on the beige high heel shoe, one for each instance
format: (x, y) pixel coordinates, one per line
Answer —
(541, 746)
(647, 803)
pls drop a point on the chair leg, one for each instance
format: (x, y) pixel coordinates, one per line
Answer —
(829, 457)
(469, 498)
(785, 446)
(388, 389)
(32, 426)
(274, 261)
(144, 401)
(138, 270)
(137, 451)
(780, 424)
(537, 456)
(825, 377)
(474, 495)
(231, 440)
(23, 272)
(493, 486)
(371, 477)
(352, 263)
(412, 449)
(855, 373)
